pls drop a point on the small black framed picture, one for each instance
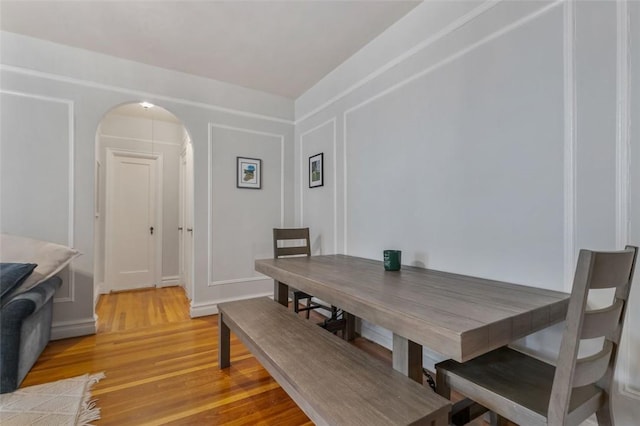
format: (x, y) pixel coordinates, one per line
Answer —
(316, 170)
(249, 173)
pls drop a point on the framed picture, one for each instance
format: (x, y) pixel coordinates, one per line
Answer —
(249, 173)
(316, 170)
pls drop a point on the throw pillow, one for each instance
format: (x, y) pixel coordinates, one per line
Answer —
(13, 274)
(51, 258)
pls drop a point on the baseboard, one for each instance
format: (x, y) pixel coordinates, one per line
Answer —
(66, 329)
(170, 281)
(375, 336)
(211, 308)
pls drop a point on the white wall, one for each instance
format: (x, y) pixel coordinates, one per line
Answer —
(135, 134)
(53, 98)
(482, 138)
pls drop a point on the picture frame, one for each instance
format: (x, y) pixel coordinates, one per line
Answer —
(248, 173)
(316, 170)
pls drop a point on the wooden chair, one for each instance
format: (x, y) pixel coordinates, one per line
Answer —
(531, 392)
(295, 234)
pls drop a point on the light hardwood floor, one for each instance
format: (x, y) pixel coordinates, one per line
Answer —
(161, 367)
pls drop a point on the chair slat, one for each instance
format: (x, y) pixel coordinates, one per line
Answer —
(601, 322)
(291, 251)
(591, 369)
(611, 269)
(291, 233)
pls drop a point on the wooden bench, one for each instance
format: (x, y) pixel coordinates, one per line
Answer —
(333, 382)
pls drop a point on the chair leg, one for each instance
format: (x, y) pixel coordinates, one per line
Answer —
(296, 303)
(604, 416)
(308, 305)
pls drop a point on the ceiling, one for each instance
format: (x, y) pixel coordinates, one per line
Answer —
(279, 47)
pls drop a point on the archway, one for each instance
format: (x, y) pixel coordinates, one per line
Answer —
(143, 201)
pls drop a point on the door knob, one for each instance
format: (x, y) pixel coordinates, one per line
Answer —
(189, 229)
(180, 228)
(151, 230)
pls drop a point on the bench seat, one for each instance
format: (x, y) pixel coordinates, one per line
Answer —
(333, 382)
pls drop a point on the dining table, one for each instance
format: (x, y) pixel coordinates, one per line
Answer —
(458, 316)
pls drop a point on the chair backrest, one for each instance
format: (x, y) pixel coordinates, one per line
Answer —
(595, 270)
(291, 234)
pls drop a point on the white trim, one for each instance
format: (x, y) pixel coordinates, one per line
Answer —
(303, 187)
(570, 142)
(211, 308)
(239, 280)
(154, 141)
(623, 110)
(66, 329)
(170, 281)
(623, 168)
(209, 208)
(453, 26)
(71, 188)
(111, 154)
(462, 52)
(139, 94)
(210, 183)
(345, 197)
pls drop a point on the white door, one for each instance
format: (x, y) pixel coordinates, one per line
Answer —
(185, 227)
(132, 231)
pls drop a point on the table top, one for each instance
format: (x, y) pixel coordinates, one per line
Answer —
(459, 316)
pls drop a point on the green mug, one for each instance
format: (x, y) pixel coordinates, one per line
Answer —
(392, 259)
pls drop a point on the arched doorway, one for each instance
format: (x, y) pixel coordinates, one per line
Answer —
(143, 200)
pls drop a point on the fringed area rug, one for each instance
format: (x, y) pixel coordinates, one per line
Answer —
(65, 402)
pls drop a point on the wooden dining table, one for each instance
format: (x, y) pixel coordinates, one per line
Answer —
(456, 315)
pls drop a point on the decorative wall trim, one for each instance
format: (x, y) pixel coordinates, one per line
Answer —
(66, 329)
(451, 58)
(335, 178)
(211, 308)
(139, 94)
(71, 153)
(453, 26)
(570, 125)
(210, 186)
(623, 168)
(154, 141)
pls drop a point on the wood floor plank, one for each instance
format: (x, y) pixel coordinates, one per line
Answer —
(161, 367)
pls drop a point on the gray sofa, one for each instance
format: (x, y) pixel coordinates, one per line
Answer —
(25, 321)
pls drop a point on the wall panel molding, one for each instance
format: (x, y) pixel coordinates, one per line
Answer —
(70, 297)
(452, 27)
(569, 142)
(138, 93)
(570, 124)
(280, 137)
(331, 121)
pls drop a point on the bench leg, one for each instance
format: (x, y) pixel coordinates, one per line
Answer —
(224, 344)
(281, 293)
(407, 357)
(350, 327)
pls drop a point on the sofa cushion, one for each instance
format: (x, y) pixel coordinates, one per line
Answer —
(51, 258)
(13, 274)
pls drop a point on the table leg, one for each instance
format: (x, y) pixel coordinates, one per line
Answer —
(350, 326)
(281, 293)
(224, 344)
(407, 357)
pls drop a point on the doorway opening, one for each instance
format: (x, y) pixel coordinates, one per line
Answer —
(143, 201)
